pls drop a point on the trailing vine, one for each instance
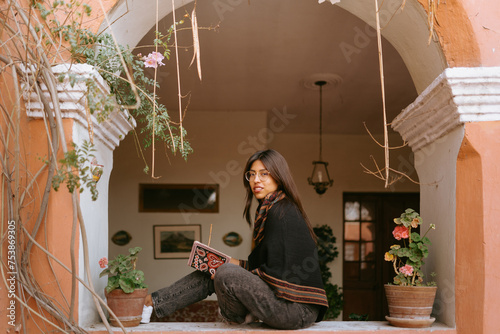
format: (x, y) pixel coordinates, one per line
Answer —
(112, 62)
(35, 35)
(75, 170)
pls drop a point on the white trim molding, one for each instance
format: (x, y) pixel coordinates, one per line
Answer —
(72, 103)
(458, 96)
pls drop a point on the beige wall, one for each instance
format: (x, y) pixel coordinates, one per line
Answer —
(344, 155)
(215, 138)
(219, 138)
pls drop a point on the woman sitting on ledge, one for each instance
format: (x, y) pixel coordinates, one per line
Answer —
(280, 284)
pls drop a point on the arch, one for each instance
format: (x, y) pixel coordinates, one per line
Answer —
(407, 31)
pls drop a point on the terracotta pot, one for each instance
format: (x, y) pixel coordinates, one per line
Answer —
(410, 306)
(126, 306)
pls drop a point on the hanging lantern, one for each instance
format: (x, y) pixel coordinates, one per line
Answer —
(320, 178)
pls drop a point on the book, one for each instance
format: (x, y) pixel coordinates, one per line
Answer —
(206, 259)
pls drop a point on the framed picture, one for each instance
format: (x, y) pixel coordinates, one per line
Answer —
(175, 241)
(179, 198)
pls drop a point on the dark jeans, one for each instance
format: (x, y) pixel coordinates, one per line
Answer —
(239, 292)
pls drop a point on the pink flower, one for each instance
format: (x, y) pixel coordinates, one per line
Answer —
(407, 270)
(154, 59)
(103, 262)
(400, 232)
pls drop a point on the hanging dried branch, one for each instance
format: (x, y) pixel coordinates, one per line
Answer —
(377, 142)
(32, 55)
(381, 173)
(179, 94)
(154, 101)
(431, 17)
(29, 47)
(384, 173)
(196, 41)
(382, 84)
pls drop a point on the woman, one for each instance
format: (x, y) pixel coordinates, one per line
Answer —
(280, 284)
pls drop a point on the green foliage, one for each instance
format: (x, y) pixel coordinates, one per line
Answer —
(327, 252)
(409, 218)
(110, 61)
(358, 317)
(74, 170)
(100, 51)
(122, 273)
(408, 259)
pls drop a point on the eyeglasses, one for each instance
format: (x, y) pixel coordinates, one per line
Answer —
(251, 175)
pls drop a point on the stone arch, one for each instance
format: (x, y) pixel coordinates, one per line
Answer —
(407, 31)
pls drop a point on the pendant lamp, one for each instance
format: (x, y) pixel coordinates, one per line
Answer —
(320, 178)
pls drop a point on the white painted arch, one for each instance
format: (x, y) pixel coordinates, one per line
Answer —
(407, 31)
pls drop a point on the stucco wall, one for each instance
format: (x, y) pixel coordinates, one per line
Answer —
(233, 136)
(436, 166)
(217, 139)
(95, 214)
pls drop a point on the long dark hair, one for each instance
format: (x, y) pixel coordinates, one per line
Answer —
(277, 166)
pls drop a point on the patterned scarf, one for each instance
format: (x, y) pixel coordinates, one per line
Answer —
(261, 215)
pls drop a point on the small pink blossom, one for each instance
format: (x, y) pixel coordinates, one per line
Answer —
(103, 262)
(407, 270)
(154, 59)
(400, 232)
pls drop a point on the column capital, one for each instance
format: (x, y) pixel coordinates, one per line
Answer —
(73, 104)
(458, 95)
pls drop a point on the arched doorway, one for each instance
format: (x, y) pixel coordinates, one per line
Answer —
(244, 86)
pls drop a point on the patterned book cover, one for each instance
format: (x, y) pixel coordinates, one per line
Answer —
(205, 258)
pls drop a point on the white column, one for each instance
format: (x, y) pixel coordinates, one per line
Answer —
(106, 137)
(433, 126)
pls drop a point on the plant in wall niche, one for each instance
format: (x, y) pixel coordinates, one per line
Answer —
(126, 291)
(327, 252)
(122, 274)
(408, 259)
(409, 299)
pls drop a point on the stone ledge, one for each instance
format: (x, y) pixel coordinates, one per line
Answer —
(338, 327)
(72, 102)
(459, 95)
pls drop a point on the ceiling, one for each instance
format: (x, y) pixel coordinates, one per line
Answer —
(262, 52)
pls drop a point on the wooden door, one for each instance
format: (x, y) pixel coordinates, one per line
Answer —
(368, 223)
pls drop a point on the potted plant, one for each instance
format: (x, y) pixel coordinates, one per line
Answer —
(126, 291)
(410, 300)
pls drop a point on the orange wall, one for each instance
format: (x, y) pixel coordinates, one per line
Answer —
(484, 18)
(93, 23)
(468, 31)
(57, 232)
(54, 232)
(54, 281)
(56, 229)
(456, 34)
(477, 267)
